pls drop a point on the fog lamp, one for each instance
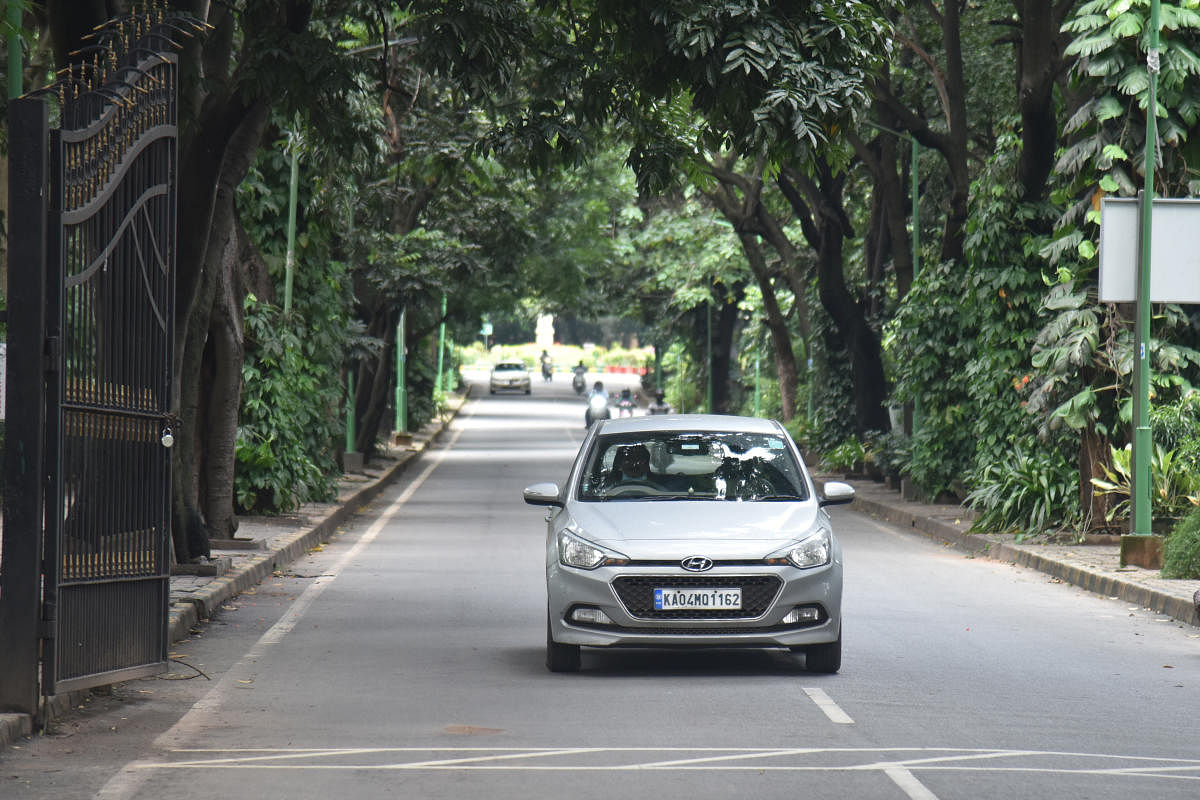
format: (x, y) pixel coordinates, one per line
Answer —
(802, 614)
(590, 616)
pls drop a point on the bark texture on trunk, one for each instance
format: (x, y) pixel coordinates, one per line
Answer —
(820, 205)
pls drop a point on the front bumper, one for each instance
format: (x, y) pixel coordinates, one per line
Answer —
(568, 589)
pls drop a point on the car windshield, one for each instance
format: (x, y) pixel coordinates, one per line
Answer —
(510, 367)
(692, 465)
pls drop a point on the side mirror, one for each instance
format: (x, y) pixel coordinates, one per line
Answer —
(546, 494)
(836, 493)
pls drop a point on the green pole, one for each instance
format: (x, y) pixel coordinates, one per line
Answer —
(756, 376)
(1140, 480)
(682, 386)
(401, 390)
(351, 402)
(708, 392)
(658, 384)
(15, 67)
(916, 254)
(290, 262)
(437, 381)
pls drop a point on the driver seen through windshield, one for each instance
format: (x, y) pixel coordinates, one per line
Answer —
(692, 466)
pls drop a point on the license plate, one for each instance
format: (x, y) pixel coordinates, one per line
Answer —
(668, 599)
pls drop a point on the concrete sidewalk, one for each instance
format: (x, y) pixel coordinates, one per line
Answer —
(267, 544)
(1094, 567)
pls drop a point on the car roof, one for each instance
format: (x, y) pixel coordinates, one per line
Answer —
(690, 422)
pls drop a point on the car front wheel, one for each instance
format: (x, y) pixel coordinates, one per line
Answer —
(824, 658)
(560, 657)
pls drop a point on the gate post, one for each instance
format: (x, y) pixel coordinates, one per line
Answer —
(24, 466)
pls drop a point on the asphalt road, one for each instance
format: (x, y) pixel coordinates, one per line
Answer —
(405, 659)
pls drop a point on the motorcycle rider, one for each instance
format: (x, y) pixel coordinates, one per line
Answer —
(625, 403)
(659, 406)
(547, 366)
(597, 404)
(579, 380)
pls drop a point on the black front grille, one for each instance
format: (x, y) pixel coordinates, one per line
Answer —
(636, 593)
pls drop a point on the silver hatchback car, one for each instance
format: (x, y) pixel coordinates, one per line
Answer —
(691, 530)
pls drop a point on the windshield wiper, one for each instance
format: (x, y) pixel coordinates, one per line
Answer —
(678, 496)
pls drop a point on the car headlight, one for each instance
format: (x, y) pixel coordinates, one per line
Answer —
(814, 551)
(580, 553)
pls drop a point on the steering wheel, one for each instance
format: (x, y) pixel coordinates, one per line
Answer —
(631, 487)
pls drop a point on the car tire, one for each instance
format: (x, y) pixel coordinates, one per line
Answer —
(561, 657)
(824, 658)
(528, 391)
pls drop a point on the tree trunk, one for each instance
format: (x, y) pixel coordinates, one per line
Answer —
(377, 381)
(824, 221)
(726, 320)
(208, 385)
(751, 220)
(223, 358)
(1039, 47)
(1093, 457)
(781, 337)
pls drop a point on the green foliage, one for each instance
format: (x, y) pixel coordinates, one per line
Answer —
(1177, 427)
(289, 418)
(1028, 493)
(848, 455)
(891, 452)
(1181, 550)
(1109, 128)
(1173, 490)
(762, 76)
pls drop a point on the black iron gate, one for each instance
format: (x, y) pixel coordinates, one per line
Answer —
(107, 361)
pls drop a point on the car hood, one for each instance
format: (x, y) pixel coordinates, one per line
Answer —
(679, 528)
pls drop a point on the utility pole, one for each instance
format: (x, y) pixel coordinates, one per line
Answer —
(708, 394)
(916, 253)
(290, 262)
(400, 432)
(15, 66)
(1140, 479)
(437, 381)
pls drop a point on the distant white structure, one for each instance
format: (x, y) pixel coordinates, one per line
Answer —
(545, 331)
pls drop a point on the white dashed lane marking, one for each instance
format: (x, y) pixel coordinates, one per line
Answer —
(831, 709)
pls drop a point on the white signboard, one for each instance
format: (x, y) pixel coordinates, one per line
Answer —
(1174, 250)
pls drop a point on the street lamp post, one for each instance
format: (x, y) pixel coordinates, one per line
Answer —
(400, 433)
(1133, 550)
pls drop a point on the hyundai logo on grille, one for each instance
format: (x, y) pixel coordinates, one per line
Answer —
(696, 564)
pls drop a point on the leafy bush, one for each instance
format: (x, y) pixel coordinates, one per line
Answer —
(289, 418)
(891, 452)
(1173, 492)
(846, 456)
(1181, 550)
(1030, 493)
